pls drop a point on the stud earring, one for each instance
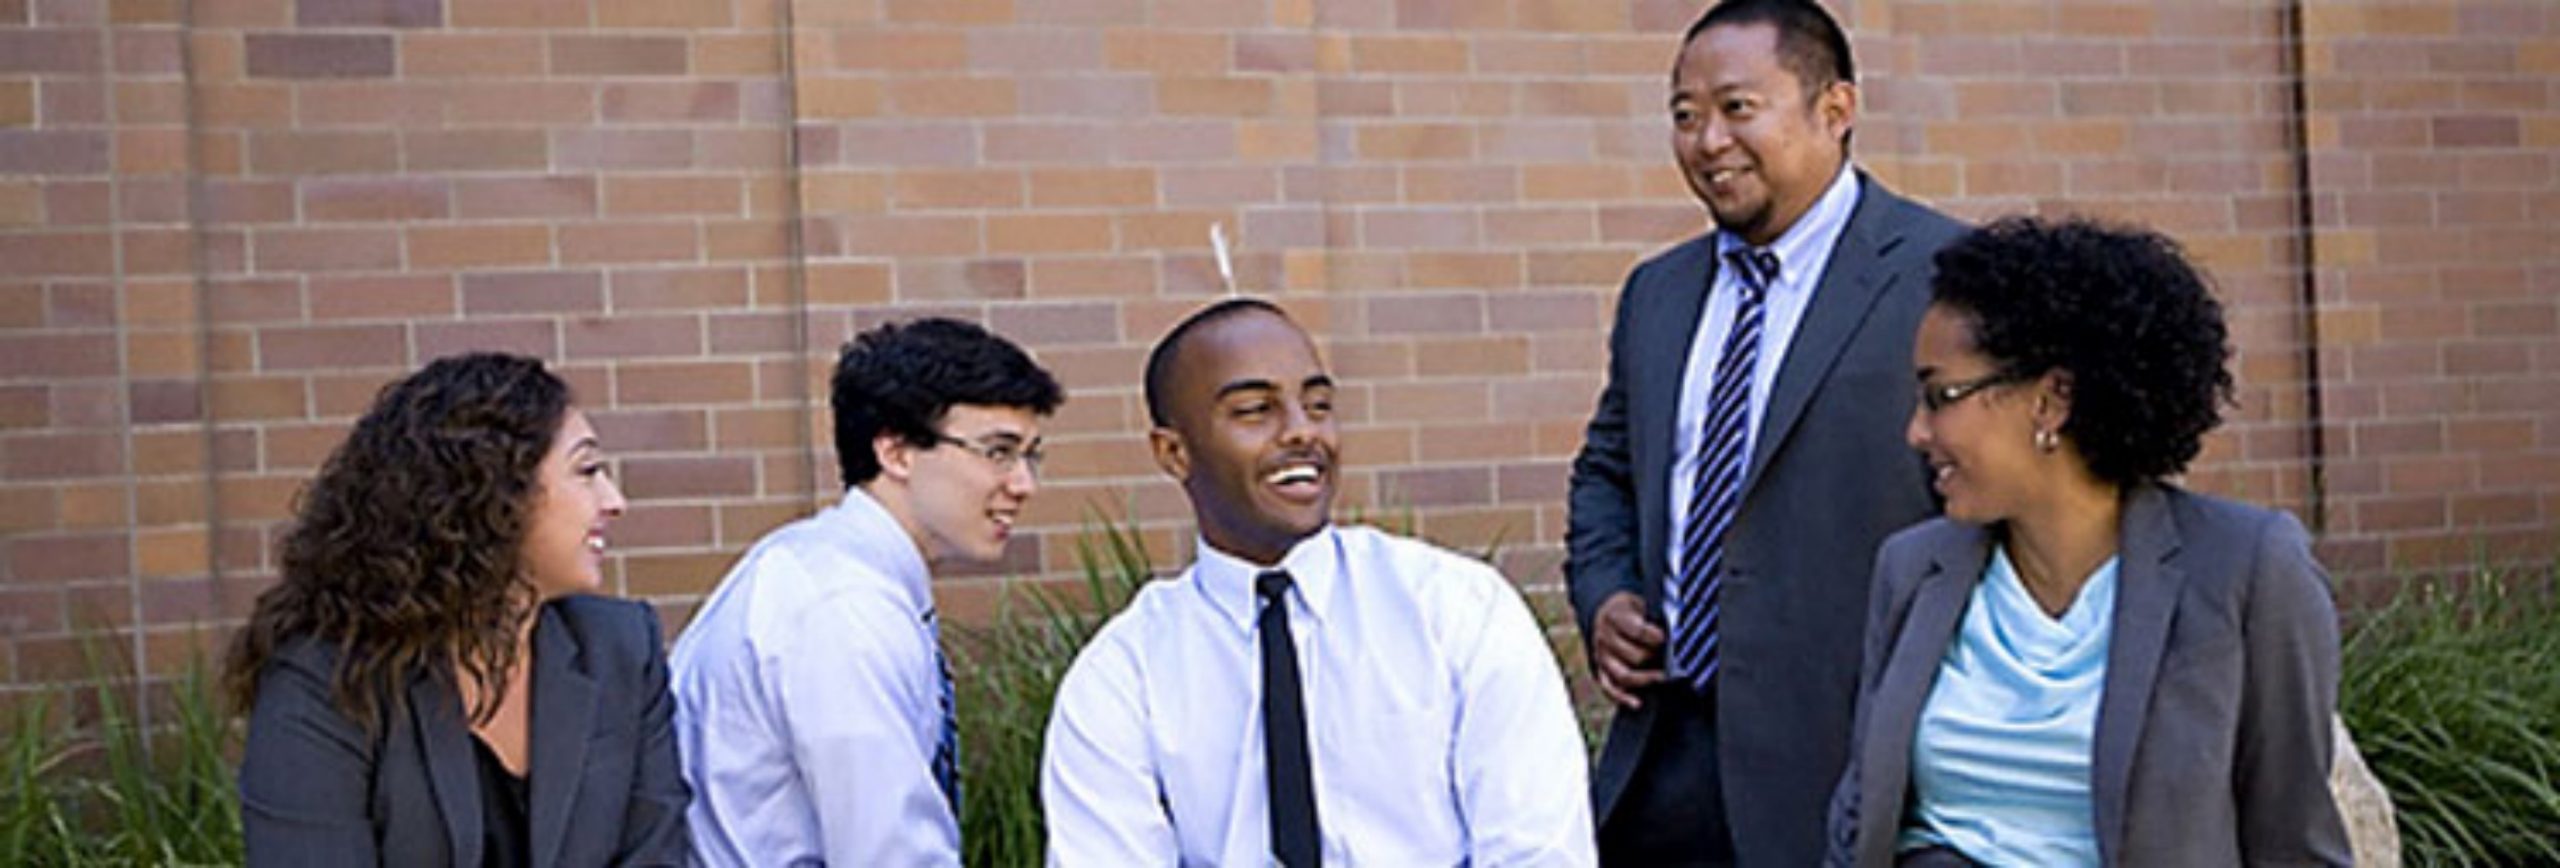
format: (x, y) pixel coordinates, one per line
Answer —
(2047, 441)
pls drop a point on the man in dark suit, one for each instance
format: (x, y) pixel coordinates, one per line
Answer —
(1726, 506)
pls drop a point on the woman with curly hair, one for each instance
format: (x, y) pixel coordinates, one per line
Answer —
(2082, 663)
(429, 683)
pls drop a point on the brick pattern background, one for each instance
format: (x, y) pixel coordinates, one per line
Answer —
(225, 223)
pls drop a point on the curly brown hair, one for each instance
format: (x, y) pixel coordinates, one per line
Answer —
(403, 551)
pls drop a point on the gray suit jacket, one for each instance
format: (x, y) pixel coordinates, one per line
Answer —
(316, 790)
(1829, 477)
(2212, 742)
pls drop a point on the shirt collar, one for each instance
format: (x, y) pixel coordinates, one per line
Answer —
(1314, 565)
(1810, 239)
(878, 539)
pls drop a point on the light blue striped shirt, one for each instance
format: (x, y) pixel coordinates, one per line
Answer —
(1804, 255)
(2000, 763)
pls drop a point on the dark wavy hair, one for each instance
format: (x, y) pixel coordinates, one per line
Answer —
(902, 378)
(403, 554)
(2118, 308)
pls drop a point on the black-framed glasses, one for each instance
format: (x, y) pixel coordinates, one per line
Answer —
(1936, 397)
(1005, 455)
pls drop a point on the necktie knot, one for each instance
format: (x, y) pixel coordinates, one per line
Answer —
(1271, 585)
(1756, 266)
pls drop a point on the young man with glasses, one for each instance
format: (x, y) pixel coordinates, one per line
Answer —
(813, 703)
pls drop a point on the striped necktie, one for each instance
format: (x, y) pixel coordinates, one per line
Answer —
(1723, 453)
(946, 748)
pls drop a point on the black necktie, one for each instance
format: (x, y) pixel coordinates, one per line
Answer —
(1294, 839)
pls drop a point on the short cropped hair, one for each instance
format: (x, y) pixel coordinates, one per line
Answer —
(902, 378)
(1811, 44)
(2122, 311)
(1160, 359)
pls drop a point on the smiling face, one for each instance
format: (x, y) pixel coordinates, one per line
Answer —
(564, 535)
(954, 501)
(1252, 438)
(1751, 144)
(1980, 446)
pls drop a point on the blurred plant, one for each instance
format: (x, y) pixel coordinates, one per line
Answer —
(2453, 693)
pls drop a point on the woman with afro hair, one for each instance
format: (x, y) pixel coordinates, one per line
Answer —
(430, 682)
(2082, 663)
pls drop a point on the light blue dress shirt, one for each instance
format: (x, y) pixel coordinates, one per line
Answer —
(2000, 763)
(808, 701)
(1804, 252)
(1437, 723)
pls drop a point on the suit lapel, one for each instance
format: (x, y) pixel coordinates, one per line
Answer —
(1850, 284)
(453, 770)
(1910, 671)
(564, 706)
(2148, 584)
(1667, 327)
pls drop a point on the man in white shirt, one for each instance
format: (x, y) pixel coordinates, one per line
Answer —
(1396, 705)
(813, 703)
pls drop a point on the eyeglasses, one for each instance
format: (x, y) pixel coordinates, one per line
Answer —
(1939, 397)
(1005, 456)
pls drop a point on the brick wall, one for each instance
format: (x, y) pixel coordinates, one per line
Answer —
(224, 223)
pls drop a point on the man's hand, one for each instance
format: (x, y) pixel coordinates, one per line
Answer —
(1625, 649)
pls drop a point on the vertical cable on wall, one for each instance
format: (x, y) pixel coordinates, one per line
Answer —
(2305, 255)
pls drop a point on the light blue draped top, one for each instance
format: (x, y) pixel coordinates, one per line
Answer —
(2000, 763)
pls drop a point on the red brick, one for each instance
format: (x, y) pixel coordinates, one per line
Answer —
(374, 199)
(42, 559)
(615, 149)
(682, 383)
(50, 152)
(49, 50)
(524, 197)
(368, 13)
(532, 292)
(670, 102)
(682, 478)
(960, 279)
(532, 337)
(438, 247)
(323, 153)
(402, 297)
(682, 14)
(633, 431)
(331, 347)
(736, 334)
(311, 55)
(618, 55)
(627, 337)
(589, 243)
(475, 150)
(679, 289)
(445, 55)
(34, 457)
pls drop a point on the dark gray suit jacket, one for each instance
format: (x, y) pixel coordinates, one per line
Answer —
(1829, 478)
(2213, 725)
(316, 790)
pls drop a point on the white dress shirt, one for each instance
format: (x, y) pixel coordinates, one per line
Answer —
(1437, 724)
(1804, 253)
(808, 702)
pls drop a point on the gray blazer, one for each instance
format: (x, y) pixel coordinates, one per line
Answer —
(1829, 477)
(316, 790)
(2213, 732)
